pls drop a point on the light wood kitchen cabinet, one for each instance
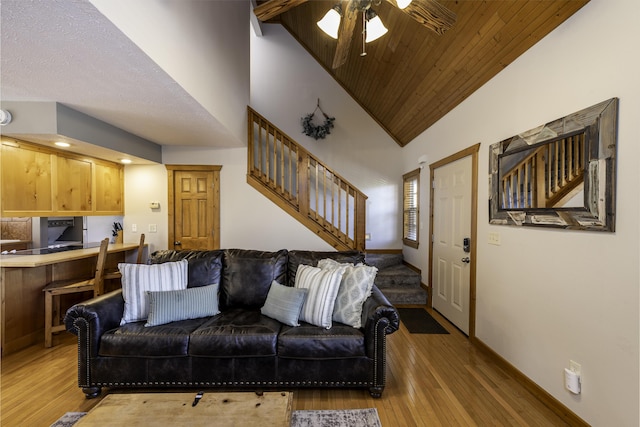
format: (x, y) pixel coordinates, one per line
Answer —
(73, 177)
(41, 181)
(26, 181)
(109, 183)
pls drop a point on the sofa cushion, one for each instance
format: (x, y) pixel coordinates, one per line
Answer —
(205, 267)
(355, 288)
(312, 257)
(190, 303)
(137, 279)
(236, 333)
(323, 287)
(311, 342)
(284, 303)
(136, 340)
(247, 276)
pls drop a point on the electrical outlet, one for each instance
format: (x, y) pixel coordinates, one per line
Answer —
(367, 236)
(574, 366)
(153, 228)
(494, 238)
(134, 227)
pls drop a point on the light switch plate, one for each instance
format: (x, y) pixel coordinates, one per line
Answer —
(153, 228)
(494, 238)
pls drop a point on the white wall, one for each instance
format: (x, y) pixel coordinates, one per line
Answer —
(144, 184)
(286, 83)
(547, 296)
(202, 45)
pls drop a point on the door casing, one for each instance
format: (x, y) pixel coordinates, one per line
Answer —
(215, 169)
(473, 152)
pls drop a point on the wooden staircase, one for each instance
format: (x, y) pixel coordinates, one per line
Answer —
(548, 177)
(303, 186)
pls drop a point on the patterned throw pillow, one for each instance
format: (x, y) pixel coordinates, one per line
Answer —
(323, 287)
(190, 303)
(355, 288)
(284, 303)
(137, 279)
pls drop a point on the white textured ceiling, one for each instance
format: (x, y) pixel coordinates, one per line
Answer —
(67, 51)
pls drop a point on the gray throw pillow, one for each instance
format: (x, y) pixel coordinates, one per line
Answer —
(284, 303)
(190, 303)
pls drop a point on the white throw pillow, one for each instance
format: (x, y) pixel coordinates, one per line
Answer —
(137, 279)
(323, 287)
(355, 288)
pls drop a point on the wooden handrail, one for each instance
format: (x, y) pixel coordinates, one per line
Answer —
(304, 186)
(545, 177)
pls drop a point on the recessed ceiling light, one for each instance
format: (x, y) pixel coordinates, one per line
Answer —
(125, 161)
(62, 144)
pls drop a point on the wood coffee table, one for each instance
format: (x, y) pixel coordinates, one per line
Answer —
(175, 409)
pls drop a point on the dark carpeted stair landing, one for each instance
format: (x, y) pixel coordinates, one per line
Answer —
(399, 283)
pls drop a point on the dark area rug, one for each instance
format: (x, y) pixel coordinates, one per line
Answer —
(418, 321)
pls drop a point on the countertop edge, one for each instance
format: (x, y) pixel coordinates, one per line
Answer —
(22, 261)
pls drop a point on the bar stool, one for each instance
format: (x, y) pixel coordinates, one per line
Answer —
(115, 274)
(54, 289)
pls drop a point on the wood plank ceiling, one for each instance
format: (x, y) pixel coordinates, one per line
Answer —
(411, 77)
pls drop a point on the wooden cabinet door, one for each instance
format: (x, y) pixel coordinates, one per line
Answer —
(74, 185)
(108, 198)
(26, 181)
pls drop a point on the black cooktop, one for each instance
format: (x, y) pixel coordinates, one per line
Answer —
(52, 249)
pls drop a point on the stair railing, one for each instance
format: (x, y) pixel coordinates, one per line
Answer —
(545, 177)
(305, 187)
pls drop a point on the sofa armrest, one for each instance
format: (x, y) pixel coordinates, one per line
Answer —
(379, 318)
(90, 319)
(377, 311)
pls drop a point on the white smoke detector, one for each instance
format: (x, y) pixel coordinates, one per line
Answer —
(5, 117)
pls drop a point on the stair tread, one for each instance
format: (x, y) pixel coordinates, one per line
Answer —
(405, 296)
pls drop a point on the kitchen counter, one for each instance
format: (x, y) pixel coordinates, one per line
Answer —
(47, 259)
(23, 278)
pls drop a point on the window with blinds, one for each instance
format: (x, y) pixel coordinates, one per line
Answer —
(411, 207)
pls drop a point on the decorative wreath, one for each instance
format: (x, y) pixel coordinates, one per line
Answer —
(320, 131)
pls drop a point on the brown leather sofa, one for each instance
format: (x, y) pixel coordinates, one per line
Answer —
(239, 348)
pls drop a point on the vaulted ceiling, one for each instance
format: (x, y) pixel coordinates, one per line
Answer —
(411, 77)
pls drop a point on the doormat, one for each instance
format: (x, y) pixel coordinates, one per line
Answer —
(325, 418)
(418, 321)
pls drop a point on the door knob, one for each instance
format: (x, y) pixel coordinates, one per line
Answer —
(177, 243)
(466, 260)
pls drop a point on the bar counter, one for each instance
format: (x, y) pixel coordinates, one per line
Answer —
(23, 277)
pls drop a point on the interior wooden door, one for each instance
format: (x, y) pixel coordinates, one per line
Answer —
(194, 207)
(451, 252)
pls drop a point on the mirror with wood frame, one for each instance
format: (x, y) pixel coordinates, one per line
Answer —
(561, 174)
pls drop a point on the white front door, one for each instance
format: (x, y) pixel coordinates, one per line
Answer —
(451, 225)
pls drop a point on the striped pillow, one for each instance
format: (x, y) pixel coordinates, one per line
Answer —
(191, 303)
(137, 279)
(323, 287)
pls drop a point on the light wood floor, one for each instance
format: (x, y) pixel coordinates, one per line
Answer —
(432, 380)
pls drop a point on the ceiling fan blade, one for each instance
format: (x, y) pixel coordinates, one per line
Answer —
(431, 14)
(273, 8)
(345, 33)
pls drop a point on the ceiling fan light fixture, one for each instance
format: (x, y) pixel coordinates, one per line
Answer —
(330, 23)
(403, 3)
(375, 27)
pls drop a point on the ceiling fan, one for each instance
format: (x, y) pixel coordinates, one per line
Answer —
(428, 13)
